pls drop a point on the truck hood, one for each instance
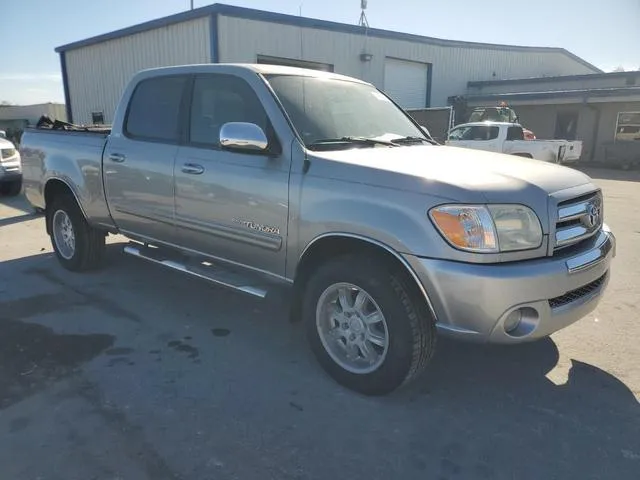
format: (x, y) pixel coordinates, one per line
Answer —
(458, 174)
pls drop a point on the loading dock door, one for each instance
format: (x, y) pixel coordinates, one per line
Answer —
(406, 82)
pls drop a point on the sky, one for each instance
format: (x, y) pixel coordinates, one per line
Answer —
(606, 34)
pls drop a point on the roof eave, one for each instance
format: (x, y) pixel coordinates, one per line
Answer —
(253, 14)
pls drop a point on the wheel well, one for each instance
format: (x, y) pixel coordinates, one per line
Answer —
(52, 189)
(327, 248)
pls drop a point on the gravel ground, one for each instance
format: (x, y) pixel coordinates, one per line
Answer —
(135, 372)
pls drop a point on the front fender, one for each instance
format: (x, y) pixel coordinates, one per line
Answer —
(394, 218)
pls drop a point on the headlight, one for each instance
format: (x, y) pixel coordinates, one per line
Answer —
(488, 229)
(7, 152)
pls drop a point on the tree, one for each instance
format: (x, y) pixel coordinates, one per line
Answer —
(5, 103)
(619, 68)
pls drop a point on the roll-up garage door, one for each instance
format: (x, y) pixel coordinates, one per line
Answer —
(406, 82)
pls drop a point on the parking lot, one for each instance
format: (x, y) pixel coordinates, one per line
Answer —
(135, 372)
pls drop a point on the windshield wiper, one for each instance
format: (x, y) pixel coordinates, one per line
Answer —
(409, 140)
(356, 140)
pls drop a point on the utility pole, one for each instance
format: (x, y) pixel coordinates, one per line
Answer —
(363, 22)
(191, 4)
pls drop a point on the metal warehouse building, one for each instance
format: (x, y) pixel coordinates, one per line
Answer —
(416, 71)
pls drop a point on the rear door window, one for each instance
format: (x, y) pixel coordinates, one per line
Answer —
(482, 133)
(154, 109)
(515, 133)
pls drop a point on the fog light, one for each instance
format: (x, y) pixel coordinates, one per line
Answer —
(513, 321)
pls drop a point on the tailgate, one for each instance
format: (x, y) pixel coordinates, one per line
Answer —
(573, 151)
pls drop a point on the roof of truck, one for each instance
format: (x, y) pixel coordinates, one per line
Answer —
(263, 69)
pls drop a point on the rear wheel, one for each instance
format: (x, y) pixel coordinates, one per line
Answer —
(366, 326)
(77, 244)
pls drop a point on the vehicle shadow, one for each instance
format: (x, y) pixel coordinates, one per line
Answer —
(18, 203)
(479, 412)
(507, 412)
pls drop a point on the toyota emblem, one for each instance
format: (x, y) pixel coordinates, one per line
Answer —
(592, 218)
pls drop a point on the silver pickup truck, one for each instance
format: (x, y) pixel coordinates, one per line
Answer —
(258, 177)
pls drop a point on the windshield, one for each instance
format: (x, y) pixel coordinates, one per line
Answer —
(328, 109)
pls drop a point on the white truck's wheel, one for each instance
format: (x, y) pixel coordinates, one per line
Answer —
(12, 188)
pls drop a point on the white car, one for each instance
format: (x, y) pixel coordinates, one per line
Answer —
(10, 168)
(505, 137)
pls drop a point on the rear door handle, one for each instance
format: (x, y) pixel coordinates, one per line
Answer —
(117, 157)
(192, 169)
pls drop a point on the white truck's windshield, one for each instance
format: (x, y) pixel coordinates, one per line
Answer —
(332, 112)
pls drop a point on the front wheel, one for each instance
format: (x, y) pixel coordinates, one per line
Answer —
(77, 244)
(366, 326)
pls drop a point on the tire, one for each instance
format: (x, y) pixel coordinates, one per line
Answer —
(88, 243)
(409, 326)
(13, 188)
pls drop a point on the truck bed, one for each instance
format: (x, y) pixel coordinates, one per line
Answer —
(76, 152)
(98, 130)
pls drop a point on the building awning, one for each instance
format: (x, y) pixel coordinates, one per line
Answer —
(590, 95)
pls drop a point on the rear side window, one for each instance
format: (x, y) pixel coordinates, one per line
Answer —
(515, 133)
(483, 133)
(154, 109)
(219, 99)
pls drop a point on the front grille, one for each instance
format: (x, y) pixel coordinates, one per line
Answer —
(578, 293)
(578, 219)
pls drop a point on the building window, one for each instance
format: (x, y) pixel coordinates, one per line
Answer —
(291, 62)
(628, 126)
(97, 118)
(566, 125)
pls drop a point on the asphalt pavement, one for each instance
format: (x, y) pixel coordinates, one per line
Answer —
(136, 372)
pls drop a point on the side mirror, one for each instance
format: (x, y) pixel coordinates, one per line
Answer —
(243, 136)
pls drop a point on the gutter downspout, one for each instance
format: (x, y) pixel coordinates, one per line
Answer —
(65, 87)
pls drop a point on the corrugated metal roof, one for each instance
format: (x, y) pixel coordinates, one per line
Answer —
(249, 13)
(587, 76)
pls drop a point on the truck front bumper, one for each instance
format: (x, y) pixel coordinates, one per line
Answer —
(520, 301)
(10, 170)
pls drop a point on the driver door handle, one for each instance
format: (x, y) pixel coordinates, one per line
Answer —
(117, 157)
(192, 169)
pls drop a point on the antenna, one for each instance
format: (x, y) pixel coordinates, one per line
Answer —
(363, 22)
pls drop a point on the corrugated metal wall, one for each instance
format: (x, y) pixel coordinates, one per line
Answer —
(240, 40)
(97, 74)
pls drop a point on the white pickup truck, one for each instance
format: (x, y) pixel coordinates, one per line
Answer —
(505, 137)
